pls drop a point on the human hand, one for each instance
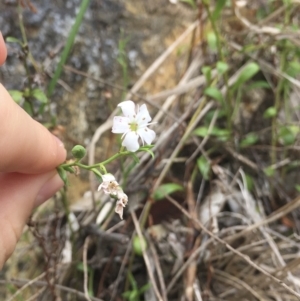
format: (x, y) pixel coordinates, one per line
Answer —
(28, 157)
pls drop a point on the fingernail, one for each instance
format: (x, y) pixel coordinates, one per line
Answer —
(59, 142)
(48, 190)
(62, 153)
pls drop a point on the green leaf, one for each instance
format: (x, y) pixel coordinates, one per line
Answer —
(288, 134)
(222, 67)
(69, 169)
(166, 189)
(13, 40)
(139, 245)
(247, 73)
(212, 41)
(204, 167)
(28, 108)
(80, 267)
(63, 174)
(249, 182)
(68, 46)
(250, 139)
(201, 131)
(269, 171)
(39, 95)
(16, 95)
(222, 134)
(150, 152)
(135, 158)
(260, 84)
(297, 187)
(218, 9)
(270, 112)
(214, 93)
(293, 68)
(206, 70)
(209, 116)
(144, 288)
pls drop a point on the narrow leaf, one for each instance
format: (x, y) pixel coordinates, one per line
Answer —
(222, 67)
(250, 139)
(269, 171)
(13, 40)
(63, 174)
(218, 9)
(204, 167)
(247, 73)
(150, 152)
(135, 158)
(206, 70)
(214, 93)
(201, 131)
(166, 189)
(16, 95)
(39, 95)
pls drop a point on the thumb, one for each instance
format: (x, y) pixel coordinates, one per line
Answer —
(19, 195)
(26, 145)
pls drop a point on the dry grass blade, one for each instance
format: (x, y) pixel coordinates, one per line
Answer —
(284, 210)
(191, 258)
(29, 283)
(85, 269)
(158, 270)
(162, 58)
(146, 258)
(227, 278)
(203, 109)
(45, 284)
(243, 256)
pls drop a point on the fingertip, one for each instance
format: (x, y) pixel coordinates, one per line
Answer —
(61, 152)
(3, 50)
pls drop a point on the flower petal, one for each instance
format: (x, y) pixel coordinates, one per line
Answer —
(143, 116)
(108, 177)
(119, 208)
(128, 108)
(146, 135)
(120, 125)
(131, 141)
(123, 198)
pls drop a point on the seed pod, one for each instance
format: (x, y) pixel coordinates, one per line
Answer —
(78, 151)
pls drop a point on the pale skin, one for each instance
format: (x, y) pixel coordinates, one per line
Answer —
(29, 154)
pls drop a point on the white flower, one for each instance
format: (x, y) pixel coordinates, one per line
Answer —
(121, 203)
(133, 126)
(109, 185)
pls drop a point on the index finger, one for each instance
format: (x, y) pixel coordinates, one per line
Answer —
(3, 51)
(26, 145)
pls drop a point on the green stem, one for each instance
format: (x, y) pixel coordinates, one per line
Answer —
(22, 28)
(228, 95)
(68, 46)
(98, 165)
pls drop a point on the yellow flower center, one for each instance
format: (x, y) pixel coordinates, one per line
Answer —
(133, 126)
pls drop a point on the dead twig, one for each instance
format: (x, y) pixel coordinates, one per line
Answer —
(44, 283)
(146, 258)
(85, 269)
